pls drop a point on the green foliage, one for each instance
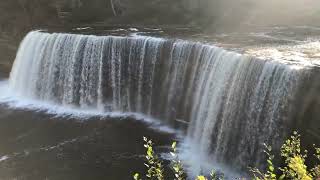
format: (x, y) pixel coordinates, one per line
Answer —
(215, 176)
(176, 164)
(270, 174)
(316, 170)
(154, 164)
(136, 176)
(155, 167)
(291, 152)
(294, 159)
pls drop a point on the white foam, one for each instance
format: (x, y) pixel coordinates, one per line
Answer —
(10, 99)
(82, 28)
(305, 54)
(3, 158)
(133, 29)
(196, 162)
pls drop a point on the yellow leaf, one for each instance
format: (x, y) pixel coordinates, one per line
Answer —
(201, 178)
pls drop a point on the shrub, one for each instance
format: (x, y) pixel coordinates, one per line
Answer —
(293, 158)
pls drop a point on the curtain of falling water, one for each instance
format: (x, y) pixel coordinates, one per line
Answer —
(233, 103)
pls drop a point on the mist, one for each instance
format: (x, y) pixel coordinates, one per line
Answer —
(241, 13)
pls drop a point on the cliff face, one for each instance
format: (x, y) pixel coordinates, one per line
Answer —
(16, 18)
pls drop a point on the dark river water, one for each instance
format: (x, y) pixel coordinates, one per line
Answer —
(37, 145)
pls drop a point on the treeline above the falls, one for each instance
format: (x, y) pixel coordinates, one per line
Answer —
(208, 14)
(20, 16)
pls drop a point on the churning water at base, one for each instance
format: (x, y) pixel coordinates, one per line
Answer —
(228, 104)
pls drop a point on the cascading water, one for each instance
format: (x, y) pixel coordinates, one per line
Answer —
(232, 103)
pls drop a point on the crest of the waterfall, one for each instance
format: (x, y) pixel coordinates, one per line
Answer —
(231, 103)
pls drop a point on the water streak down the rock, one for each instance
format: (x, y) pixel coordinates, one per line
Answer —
(233, 103)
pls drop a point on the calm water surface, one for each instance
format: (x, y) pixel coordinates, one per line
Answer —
(35, 145)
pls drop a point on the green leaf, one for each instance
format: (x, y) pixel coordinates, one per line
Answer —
(271, 168)
(282, 177)
(176, 169)
(136, 176)
(174, 145)
(150, 151)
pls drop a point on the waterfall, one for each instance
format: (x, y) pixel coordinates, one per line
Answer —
(232, 103)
